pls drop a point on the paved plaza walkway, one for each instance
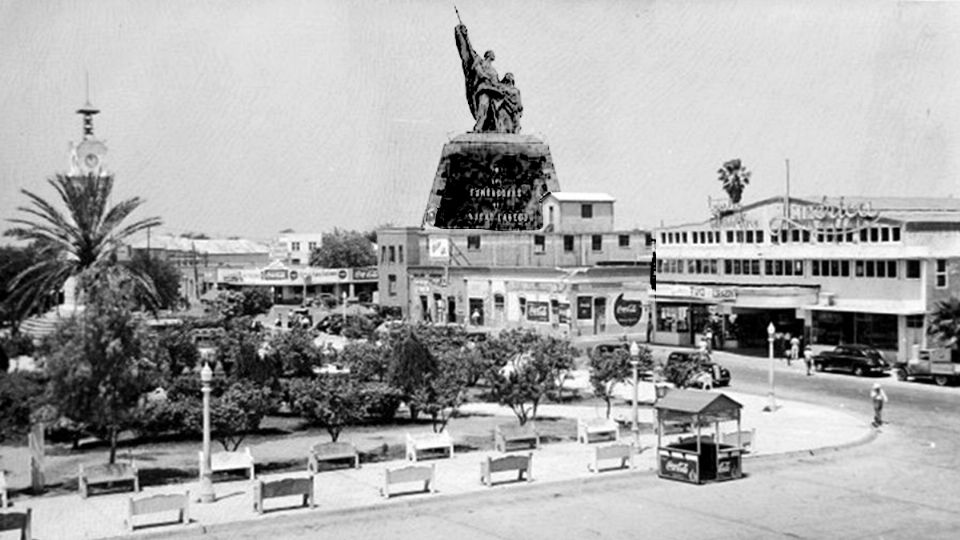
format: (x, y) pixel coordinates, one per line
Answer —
(793, 427)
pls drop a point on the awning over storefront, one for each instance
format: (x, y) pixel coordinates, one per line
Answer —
(775, 297)
(889, 307)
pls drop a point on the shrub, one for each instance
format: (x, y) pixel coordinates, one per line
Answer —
(380, 401)
(20, 393)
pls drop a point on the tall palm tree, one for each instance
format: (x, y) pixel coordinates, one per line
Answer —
(734, 177)
(945, 322)
(85, 237)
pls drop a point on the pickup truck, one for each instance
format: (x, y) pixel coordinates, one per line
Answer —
(857, 359)
(932, 364)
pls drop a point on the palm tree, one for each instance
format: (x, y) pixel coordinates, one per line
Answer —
(734, 177)
(85, 237)
(945, 322)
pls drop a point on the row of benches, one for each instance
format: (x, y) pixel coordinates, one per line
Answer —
(424, 476)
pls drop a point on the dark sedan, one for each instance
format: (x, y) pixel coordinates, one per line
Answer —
(720, 374)
(857, 359)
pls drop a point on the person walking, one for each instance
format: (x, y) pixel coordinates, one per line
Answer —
(808, 359)
(879, 397)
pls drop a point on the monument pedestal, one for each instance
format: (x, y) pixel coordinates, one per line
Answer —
(492, 181)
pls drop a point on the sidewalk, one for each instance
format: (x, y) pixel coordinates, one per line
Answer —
(793, 427)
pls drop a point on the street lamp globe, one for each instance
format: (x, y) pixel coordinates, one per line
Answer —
(634, 350)
(206, 374)
(771, 329)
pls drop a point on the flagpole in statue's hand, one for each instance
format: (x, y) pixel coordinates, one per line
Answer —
(458, 14)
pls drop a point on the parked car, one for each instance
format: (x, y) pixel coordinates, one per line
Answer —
(857, 359)
(935, 364)
(720, 374)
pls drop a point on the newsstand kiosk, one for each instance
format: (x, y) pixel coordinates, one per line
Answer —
(698, 458)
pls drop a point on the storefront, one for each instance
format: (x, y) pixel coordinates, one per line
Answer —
(294, 284)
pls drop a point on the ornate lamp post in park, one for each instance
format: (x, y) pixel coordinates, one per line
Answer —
(635, 362)
(206, 482)
(772, 406)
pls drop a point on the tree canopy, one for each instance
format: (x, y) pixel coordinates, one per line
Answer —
(87, 235)
(344, 249)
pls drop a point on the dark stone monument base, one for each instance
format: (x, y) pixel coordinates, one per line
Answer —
(493, 181)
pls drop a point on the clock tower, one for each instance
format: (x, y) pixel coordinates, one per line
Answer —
(87, 157)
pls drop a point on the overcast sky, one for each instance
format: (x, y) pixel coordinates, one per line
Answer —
(248, 117)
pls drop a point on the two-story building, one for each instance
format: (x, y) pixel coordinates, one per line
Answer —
(578, 276)
(848, 270)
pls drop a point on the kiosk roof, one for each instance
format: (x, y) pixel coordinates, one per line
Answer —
(697, 402)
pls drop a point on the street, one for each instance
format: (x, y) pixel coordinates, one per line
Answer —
(901, 485)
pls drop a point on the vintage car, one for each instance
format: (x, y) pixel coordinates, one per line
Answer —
(857, 359)
(931, 364)
(720, 374)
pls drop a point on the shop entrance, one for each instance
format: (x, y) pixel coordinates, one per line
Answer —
(599, 315)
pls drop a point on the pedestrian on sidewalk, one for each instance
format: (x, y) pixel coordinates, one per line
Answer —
(794, 350)
(879, 397)
(808, 359)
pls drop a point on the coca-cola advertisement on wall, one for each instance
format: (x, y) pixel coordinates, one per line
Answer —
(627, 312)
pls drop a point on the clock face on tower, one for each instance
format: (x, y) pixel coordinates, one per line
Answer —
(90, 153)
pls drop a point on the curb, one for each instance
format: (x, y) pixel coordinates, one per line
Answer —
(865, 439)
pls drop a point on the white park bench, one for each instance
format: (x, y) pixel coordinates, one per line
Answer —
(429, 443)
(159, 504)
(597, 429)
(230, 461)
(620, 452)
(411, 473)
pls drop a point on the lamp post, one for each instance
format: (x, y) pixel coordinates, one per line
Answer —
(772, 406)
(635, 363)
(343, 303)
(206, 483)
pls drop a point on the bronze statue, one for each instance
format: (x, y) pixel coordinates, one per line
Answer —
(494, 102)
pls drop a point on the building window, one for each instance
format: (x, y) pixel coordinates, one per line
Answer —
(498, 302)
(586, 211)
(874, 234)
(400, 254)
(393, 254)
(684, 236)
(914, 321)
(858, 268)
(539, 243)
(383, 253)
(624, 240)
(311, 246)
(294, 246)
(473, 242)
(913, 269)
(392, 284)
(729, 237)
(895, 232)
(941, 273)
(523, 307)
(597, 242)
(568, 242)
(885, 234)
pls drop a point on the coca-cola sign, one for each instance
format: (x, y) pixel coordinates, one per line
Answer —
(678, 469)
(627, 312)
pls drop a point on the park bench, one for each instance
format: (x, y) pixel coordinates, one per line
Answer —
(107, 474)
(17, 521)
(229, 461)
(283, 488)
(332, 451)
(597, 429)
(522, 464)
(514, 437)
(747, 439)
(621, 452)
(156, 504)
(429, 442)
(411, 473)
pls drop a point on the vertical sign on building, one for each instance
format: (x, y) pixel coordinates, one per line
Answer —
(653, 271)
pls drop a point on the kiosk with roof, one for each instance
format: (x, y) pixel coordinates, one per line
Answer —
(699, 458)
